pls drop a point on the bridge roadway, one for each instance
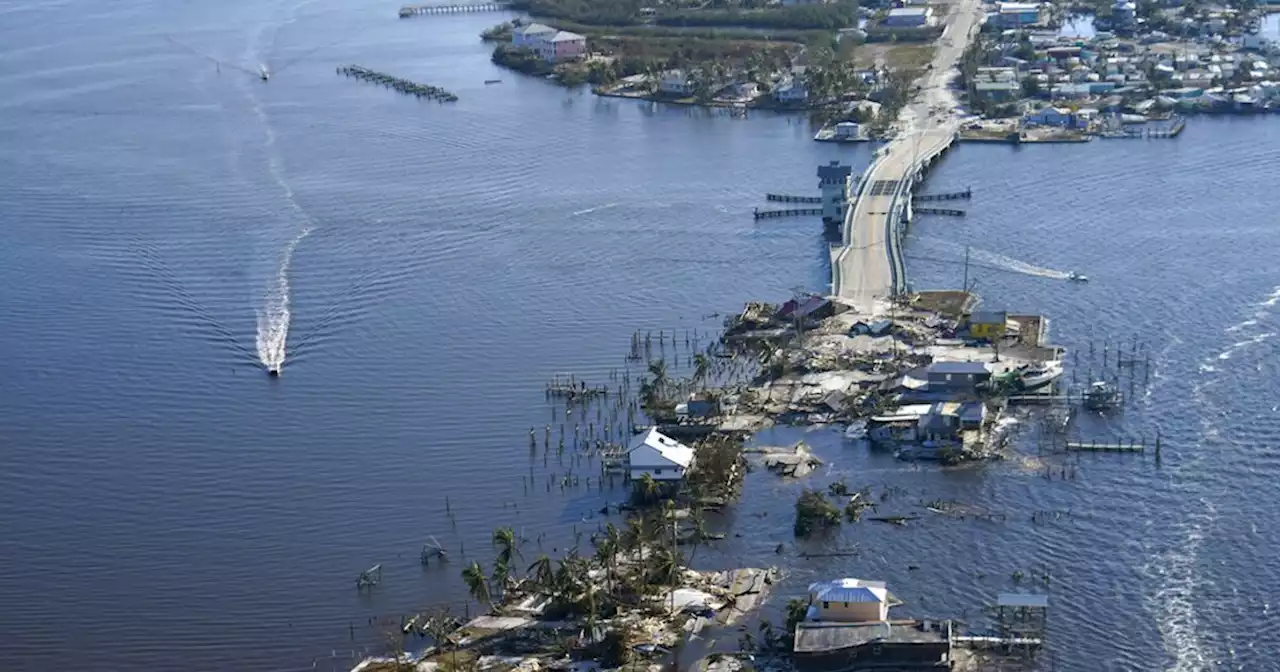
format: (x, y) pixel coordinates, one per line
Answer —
(866, 270)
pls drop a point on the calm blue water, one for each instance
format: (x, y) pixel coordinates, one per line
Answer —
(426, 268)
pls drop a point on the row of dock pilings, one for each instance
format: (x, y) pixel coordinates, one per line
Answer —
(402, 85)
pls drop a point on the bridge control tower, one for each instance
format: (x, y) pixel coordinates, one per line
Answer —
(836, 182)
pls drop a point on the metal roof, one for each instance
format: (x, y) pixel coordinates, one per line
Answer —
(668, 451)
(849, 590)
(962, 368)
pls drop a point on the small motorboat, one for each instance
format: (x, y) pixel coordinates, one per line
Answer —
(493, 81)
(273, 371)
(1102, 396)
(856, 431)
(264, 73)
(1076, 277)
(1034, 378)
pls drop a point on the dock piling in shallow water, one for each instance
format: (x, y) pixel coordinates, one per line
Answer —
(401, 85)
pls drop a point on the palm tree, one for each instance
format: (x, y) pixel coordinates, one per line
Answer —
(701, 367)
(648, 488)
(699, 523)
(504, 539)
(543, 574)
(658, 369)
(478, 584)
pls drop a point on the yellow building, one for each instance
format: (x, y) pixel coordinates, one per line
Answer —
(988, 325)
(848, 601)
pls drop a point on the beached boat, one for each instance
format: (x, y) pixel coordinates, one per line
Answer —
(1034, 378)
(856, 431)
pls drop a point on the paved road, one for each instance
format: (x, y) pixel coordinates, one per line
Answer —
(862, 269)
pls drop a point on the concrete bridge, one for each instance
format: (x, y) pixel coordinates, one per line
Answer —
(867, 268)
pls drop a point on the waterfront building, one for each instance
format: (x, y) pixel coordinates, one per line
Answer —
(988, 325)
(835, 181)
(1017, 14)
(791, 91)
(1049, 116)
(552, 45)
(658, 455)
(909, 17)
(848, 130)
(530, 35)
(675, 83)
(848, 601)
(564, 46)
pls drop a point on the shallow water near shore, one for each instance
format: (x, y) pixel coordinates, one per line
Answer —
(424, 269)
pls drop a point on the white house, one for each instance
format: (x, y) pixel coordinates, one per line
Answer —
(658, 455)
(675, 83)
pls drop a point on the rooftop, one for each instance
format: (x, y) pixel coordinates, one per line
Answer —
(824, 636)
(849, 590)
(960, 368)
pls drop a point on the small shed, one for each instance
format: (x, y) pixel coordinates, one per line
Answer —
(809, 307)
(956, 376)
(988, 324)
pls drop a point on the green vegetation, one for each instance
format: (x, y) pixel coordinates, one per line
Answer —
(814, 512)
(521, 59)
(803, 17)
(749, 14)
(499, 33)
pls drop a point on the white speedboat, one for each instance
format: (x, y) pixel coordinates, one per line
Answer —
(1034, 378)
(1076, 277)
(264, 73)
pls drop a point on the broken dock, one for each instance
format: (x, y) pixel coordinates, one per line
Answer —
(793, 212)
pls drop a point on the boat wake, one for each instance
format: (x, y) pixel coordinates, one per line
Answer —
(1016, 265)
(599, 207)
(994, 260)
(273, 318)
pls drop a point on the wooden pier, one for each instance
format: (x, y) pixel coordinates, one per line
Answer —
(953, 196)
(402, 85)
(787, 198)
(565, 385)
(419, 10)
(794, 212)
(1092, 447)
(938, 211)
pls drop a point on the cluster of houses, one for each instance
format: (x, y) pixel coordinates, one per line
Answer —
(551, 44)
(944, 408)
(1080, 77)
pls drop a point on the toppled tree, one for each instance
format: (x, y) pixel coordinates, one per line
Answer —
(814, 511)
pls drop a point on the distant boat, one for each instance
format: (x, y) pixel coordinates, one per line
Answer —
(264, 73)
(273, 371)
(1076, 277)
(493, 81)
